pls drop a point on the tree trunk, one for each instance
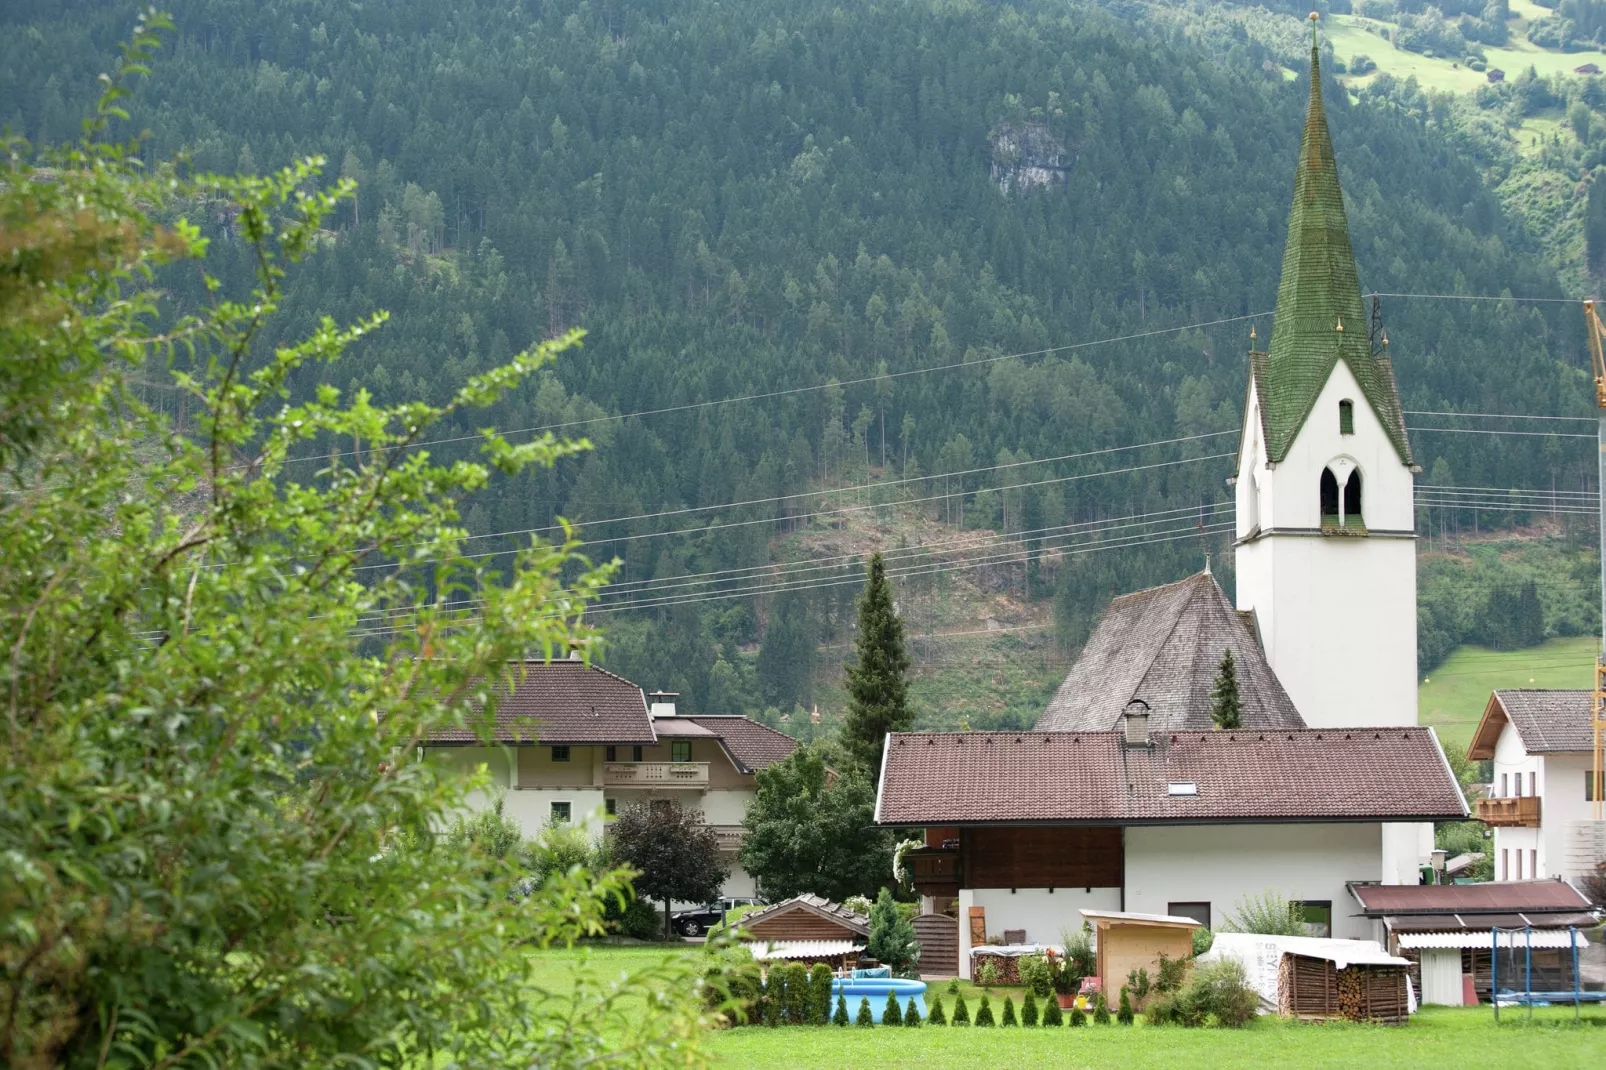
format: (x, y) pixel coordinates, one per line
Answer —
(666, 919)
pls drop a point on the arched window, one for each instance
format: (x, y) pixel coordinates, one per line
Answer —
(1352, 499)
(1329, 496)
(1346, 417)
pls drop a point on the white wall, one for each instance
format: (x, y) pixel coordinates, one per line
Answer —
(1221, 864)
(1337, 614)
(1513, 768)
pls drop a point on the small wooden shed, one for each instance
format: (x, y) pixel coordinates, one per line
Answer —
(1317, 989)
(1128, 941)
(804, 917)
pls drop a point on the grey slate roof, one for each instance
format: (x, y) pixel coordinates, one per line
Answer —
(559, 702)
(1164, 646)
(1547, 721)
(1092, 778)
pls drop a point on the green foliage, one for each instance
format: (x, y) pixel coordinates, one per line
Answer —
(1078, 1017)
(892, 935)
(961, 1011)
(878, 693)
(841, 1015)
(1226, 707)
(220, 842)
(1202, 940)
(892, 1013)
(819, 994)
(953, 986)
(774, 1006)
(984, 1012)
(1268, 914)
(1218, 993)
(802, 837)
(866, 1017)
(1028, 1009)
(1036, 974)
(911, 1014)
(938, 1017)
(1009, 1012)
(675, 855)
(799, 994)
(1124, 1012)
(1101, 1011)
(1138, 981)
(1080, 959)
(1171, 973)
(733, 983)
(1053, 1016)
(988, 972)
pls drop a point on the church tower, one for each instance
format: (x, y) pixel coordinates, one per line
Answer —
(1326, 550)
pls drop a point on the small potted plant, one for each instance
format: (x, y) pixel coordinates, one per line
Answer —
(1063, 977)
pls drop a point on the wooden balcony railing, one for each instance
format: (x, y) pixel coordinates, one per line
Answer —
(1519, 812)
(655, 775)
(934, 870)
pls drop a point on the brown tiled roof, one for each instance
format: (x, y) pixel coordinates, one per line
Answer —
(814, 904)
(1547, 722)
(561, 702)
(1164, 646)
(1320, 775)
(1491, 897)
(752, 746)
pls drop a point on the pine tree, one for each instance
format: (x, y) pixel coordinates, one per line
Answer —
(911, 1014)
(841, 1015)
(891, 1014)
(820, 994)
(1053, 1017)
(937, 1015)
(961, 1012)
(1009, 1012)
(878, 700)
(1226, 707)
(1078, 1018)
(1028, 1010)
(866, 1016)
(1124, 1015)
(1101, 1011)
(984, 1013)
(892, 936)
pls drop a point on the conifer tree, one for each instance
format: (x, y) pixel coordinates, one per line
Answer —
(841, 1015)
(1028, 1010)
(961, 1012)
(1124, 1014)
(820, 994)
(937, 1015)
(1226, 708)
(984, 1013)
(866, 1016)
(1053, 1017)
(1101, 1011)
(892, 1014)
(1078, 1018)
(911, 1013)
(1009, 1012)
(892, 936)
(878, 699)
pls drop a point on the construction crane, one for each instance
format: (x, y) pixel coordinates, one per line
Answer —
(1597, 358)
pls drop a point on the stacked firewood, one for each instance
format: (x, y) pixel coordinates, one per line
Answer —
(1315, 990)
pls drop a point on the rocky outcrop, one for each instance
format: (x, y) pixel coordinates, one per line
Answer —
(1026, 154)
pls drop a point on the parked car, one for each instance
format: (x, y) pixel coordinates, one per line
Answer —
(698, 921)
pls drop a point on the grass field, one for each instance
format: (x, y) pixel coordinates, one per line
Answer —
(1353, 35)
(1453, 696)
(1436, 1037)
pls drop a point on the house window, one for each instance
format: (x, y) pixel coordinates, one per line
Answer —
(1532, 780)
(1346, 417)
(1519, 863)
(1503, 786)
(611, 807)
(610, 754)
(560, 754)
(680, 750)
(1199, 912)
(1317, 914)
(1533, 863)
(560, 813)
(635, 753)
(1505, 863)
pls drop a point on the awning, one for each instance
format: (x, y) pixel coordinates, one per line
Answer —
(1546, 938)
(803, 949)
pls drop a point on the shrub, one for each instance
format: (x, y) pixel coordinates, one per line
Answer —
(892, 935)
(987, 972)
(1221, 989)
(1161, 1009)
(1009, 1012)
(1079, 956)
(984, 1013)
(1053, 1017)
(937, 1016)
(1267, 914)
(1078, 1018)
(866, 1017)
(733, 986)
(841, 1015)
(891, 1014)
(911, 1014)
(1028, 1010)
(1202, 940)
(819, 994)
(1101, 1011)
(799, 993)
(1171, 975)
(775, 997)
(961, 1012)
(1124, 1013)
(1138, 982)
(1035, 974)
(953, 986)
(641, 922)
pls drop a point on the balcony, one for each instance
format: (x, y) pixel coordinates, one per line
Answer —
(655, 775)
(1519, 812)
(730, 837)
(934, 870)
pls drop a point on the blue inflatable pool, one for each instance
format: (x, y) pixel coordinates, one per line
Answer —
(875, 989)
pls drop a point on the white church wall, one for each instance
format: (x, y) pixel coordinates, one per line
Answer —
(1221, 864)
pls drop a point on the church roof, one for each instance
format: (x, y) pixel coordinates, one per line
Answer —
(1320, 319)
(1164, 646)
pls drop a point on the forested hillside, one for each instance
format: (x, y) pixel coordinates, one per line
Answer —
(745, 199)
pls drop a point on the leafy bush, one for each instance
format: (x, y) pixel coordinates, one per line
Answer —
(892, 1014)
(984, 1013)
(1078, 1017)
(859, 904)
(1267, 914)
(1053, 1017)
(866, 1016)
(1362, 64)
(1124, 1013)
(1035, 974)
(1202, 941)
(953, 986)
(1138, 982)
(733, 985)
(1028, 1010)
(911, 1013)
(1080, 959)
(987, 972)
(937, 1015)
(1171, 974)
(1220, 990)
(640, 921)
(961, 1012)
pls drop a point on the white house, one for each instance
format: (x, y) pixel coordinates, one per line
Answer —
(575, 743)
(1541, 797)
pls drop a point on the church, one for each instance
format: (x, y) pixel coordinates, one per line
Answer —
(1128, 796)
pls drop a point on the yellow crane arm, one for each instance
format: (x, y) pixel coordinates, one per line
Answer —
(1597, 360)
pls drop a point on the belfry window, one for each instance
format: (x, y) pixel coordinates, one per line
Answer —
(1341, 506)
(1346, 417)
(1352, 498)
(1329, 496)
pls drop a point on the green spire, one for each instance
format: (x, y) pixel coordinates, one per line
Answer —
(1320, 319)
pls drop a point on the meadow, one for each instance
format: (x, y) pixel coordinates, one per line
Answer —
(1453, 696)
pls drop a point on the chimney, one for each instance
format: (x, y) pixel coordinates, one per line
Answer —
(1136, 721)
(662, 703)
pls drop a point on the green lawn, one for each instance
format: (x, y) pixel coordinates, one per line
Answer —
(1433, 1038)
(1353, 35)
(1453, 696)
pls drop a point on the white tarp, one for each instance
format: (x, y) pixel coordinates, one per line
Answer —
(1262, 957)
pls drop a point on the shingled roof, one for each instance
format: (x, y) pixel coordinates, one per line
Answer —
(560, 702)
(1164, 646)
(1551, 896)
(1094, 778)
(1320, 319)
(752, 746)
(850, 920)
(1547, 722)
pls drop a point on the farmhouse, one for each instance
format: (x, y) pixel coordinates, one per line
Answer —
(1131, 796)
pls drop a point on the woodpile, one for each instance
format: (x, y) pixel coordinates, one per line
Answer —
(1315, 990)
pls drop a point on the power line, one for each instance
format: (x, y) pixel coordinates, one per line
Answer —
(1492, 431)
(1496, 415)
(1479, 297)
